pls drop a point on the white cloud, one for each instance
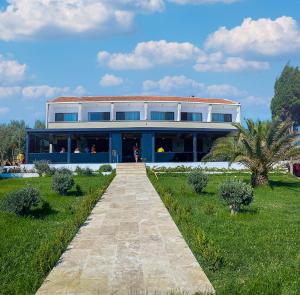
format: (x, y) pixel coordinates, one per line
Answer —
(263, 36)
(202, 1)
(4, 110)
(22, 19)
(149, 54)
(215, 62)
(181, 85)
(110, 81)
(43, 91)
(11, 70)
(6, 92)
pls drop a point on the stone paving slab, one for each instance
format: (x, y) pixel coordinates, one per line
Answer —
(128, 245)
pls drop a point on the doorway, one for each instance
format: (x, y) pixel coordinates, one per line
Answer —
(128, 142)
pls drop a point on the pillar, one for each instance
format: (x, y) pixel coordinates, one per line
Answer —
(209, 113)
(153, 147)
(238, 114)
(112, 111)
(145, 111)
(179, 112)
(69, 149)
(194, 147)
(80, 112)
(110, 149)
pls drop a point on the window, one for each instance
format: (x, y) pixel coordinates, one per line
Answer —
(99, 116)
(66, 117)
(191, 116)
(218, 117)
(128, 116)
(162, 116)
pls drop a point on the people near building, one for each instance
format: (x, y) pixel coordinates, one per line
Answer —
(77, 150)
(62, 150)
(93, 149)
(160, 150)
(6, 163)
(136, 152)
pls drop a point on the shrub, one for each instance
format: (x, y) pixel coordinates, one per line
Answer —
(84, 171)
(22, 200)
(236, 193)
(105, 168)
(198, 180)
(43, 169)
(62, 181)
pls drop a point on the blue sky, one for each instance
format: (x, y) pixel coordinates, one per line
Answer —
(160, 47)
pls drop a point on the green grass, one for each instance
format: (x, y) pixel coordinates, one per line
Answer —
(30, 246)
(255, 252)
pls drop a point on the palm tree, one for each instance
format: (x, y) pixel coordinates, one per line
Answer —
(258, 146)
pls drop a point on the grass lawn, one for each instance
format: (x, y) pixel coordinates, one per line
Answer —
(30, 246)
(255, 252)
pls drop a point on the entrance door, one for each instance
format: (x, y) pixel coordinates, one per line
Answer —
(129, 140)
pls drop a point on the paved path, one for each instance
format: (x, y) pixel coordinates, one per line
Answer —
(129, 245)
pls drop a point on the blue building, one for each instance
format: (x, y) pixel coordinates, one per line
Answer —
(106, 129)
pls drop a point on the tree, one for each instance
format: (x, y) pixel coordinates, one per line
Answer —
(286, 101)
(4, 142)
(17, 136)
(259, 146)
(38, 124)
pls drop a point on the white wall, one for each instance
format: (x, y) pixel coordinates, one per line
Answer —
(123, 107)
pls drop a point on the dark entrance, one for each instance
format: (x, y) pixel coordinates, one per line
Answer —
(128, 142)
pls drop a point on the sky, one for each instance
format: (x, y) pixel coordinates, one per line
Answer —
(232, 49)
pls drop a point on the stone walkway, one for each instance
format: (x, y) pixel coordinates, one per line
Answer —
(128, 245)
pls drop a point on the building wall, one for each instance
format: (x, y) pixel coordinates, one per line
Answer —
(140, 106)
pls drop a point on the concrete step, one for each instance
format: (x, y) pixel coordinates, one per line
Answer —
(134, 169)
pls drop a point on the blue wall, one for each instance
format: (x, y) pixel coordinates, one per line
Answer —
(116, 147)
(147, 146)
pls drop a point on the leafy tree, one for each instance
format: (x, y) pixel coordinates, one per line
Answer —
(17, 137)
(259, 146)
(286, 101)
(4, 142)
(38, 124)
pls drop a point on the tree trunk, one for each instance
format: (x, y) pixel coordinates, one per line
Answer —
(258, 179)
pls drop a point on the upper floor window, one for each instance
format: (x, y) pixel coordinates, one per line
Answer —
(162, 116)
(218, 117)
(99, 116)
(128, 116)
(185, 116)
(66, 117)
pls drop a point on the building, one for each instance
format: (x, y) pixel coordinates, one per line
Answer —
(105, 129)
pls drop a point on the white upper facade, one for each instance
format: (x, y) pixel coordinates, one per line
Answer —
(96, 111)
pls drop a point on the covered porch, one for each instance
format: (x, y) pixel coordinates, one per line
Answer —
(116, 146)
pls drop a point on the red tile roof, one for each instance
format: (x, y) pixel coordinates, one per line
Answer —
(142, 99)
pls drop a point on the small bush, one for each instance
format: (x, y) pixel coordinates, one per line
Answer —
(198, 180)
(62, 181)
(105, 168)
(64, 171)
(236, 193)
(84, 171)
(42, 168)
(22, 200)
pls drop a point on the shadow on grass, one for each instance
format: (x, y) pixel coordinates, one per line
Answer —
(44, 211)
(250, 211)
(293, 186)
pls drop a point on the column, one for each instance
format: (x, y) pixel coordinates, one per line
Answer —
(153, 147)
(194, 147)
(179, 112)
(145, 111)
(80, 112)
(112, 111)
(238, 114)
(47, 115)
(209, 116)
(69, 149)
(27, 149)
(110, 149)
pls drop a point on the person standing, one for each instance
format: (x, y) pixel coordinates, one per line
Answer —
(136, 152)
